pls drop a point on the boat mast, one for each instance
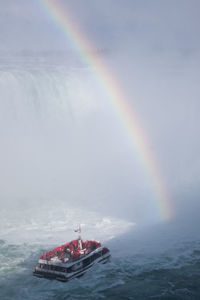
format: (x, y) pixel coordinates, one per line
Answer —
(79, 237)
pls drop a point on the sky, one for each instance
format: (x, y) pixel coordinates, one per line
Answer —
(157, 26)
(153, 50)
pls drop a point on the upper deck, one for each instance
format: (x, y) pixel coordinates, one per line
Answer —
(56, 261)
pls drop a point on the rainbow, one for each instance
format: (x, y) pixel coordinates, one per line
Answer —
(69, 27)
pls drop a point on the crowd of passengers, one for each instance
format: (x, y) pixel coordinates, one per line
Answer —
(72, 250)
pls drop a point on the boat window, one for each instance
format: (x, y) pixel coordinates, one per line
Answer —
(86, 261)
(69, 270)
(46, 267)
(58, 269)
(95, 256)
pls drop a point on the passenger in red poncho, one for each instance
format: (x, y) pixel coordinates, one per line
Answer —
(43, 256)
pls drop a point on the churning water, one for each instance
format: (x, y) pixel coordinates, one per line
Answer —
(159, 263)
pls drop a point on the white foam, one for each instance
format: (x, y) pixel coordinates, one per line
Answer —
(56, 225)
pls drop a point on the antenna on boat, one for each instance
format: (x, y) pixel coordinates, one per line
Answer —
(79, 236)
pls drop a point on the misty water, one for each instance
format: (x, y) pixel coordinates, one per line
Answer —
(65, 160)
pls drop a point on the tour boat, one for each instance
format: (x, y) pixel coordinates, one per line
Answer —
(71, 260)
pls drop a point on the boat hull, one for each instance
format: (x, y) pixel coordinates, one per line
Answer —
(71, 270)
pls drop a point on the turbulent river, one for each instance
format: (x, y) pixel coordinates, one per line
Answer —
(155, 263)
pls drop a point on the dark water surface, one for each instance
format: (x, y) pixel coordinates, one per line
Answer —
(165, 268)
